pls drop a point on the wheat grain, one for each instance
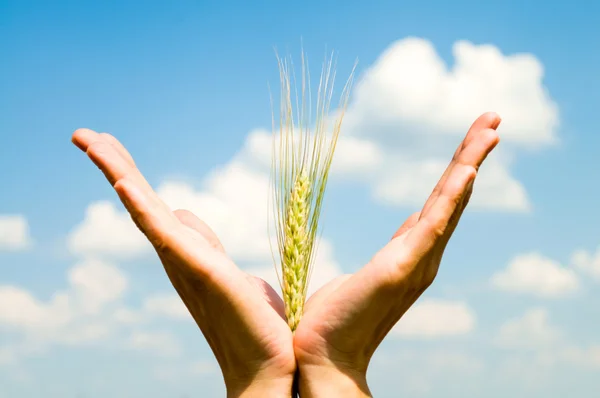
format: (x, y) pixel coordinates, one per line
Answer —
(300, 169)
(295, 254)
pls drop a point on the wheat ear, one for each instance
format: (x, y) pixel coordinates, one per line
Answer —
(302, 158)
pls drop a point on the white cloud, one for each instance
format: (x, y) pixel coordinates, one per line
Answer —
(89, 311)
(354, 156)
(495, 188)
(410, 86)
(537, 345)
(431, 318)
(106, 231)
(534, 274)
(233, 201)
(166, 305)
(74, 316)
(587, 262)
(417, 371)
(14, 233)
(531, 331)
(176, 372)
(19, 309)
(409, 110)
(588, 357)
(6, 355)
(159, 342)
(96, 284)
(410, 105)
(156, 306)
(409, 181)
(413, 108)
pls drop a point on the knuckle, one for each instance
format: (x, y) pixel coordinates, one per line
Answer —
(491, 136)
(436, 228)
(428, 277)
(471, 173)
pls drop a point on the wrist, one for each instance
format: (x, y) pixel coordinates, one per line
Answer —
(332, 382)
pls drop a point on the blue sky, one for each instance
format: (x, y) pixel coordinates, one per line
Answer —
(184, 86)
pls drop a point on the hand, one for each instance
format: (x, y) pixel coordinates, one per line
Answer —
(347, 319)
(241, 316)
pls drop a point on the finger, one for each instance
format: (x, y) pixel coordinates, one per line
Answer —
(473, 155)
(443, 215)
(433, 225)
(107, 157)
(455, 219)
(119, 147)
(408, 224)
(190, 220)
(148, 212)
(271, 296)
(319, 297)
(488, 120)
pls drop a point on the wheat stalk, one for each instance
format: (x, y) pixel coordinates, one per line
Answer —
(300, 168)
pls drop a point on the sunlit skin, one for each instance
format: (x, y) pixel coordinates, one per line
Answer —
(242, 317)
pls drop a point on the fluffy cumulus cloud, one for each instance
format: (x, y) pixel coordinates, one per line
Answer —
(72, 316)
(14, 233)
(432, 318)
(178, 372)
(587, 262)
(233, 200)
(536, 343)
(535, 274)
(532, 330)
(410, 86)
(106, 231)
(415, 108)
(421, 372)
(166, 305)
(89, 311)
(355, 157)
(409, 110)
(159, 342)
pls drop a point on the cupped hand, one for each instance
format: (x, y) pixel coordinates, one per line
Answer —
(241, 316)
(346, 320)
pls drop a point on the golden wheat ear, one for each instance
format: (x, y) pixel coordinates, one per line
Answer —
(302, 154)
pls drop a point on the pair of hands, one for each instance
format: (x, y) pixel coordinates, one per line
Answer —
(242, 317)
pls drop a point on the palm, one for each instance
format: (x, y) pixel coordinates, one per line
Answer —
(242, 303)
(342, 314)
(347, 319)
(240, 315)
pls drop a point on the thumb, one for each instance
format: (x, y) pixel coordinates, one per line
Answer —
(190, 220)
(408, 224)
